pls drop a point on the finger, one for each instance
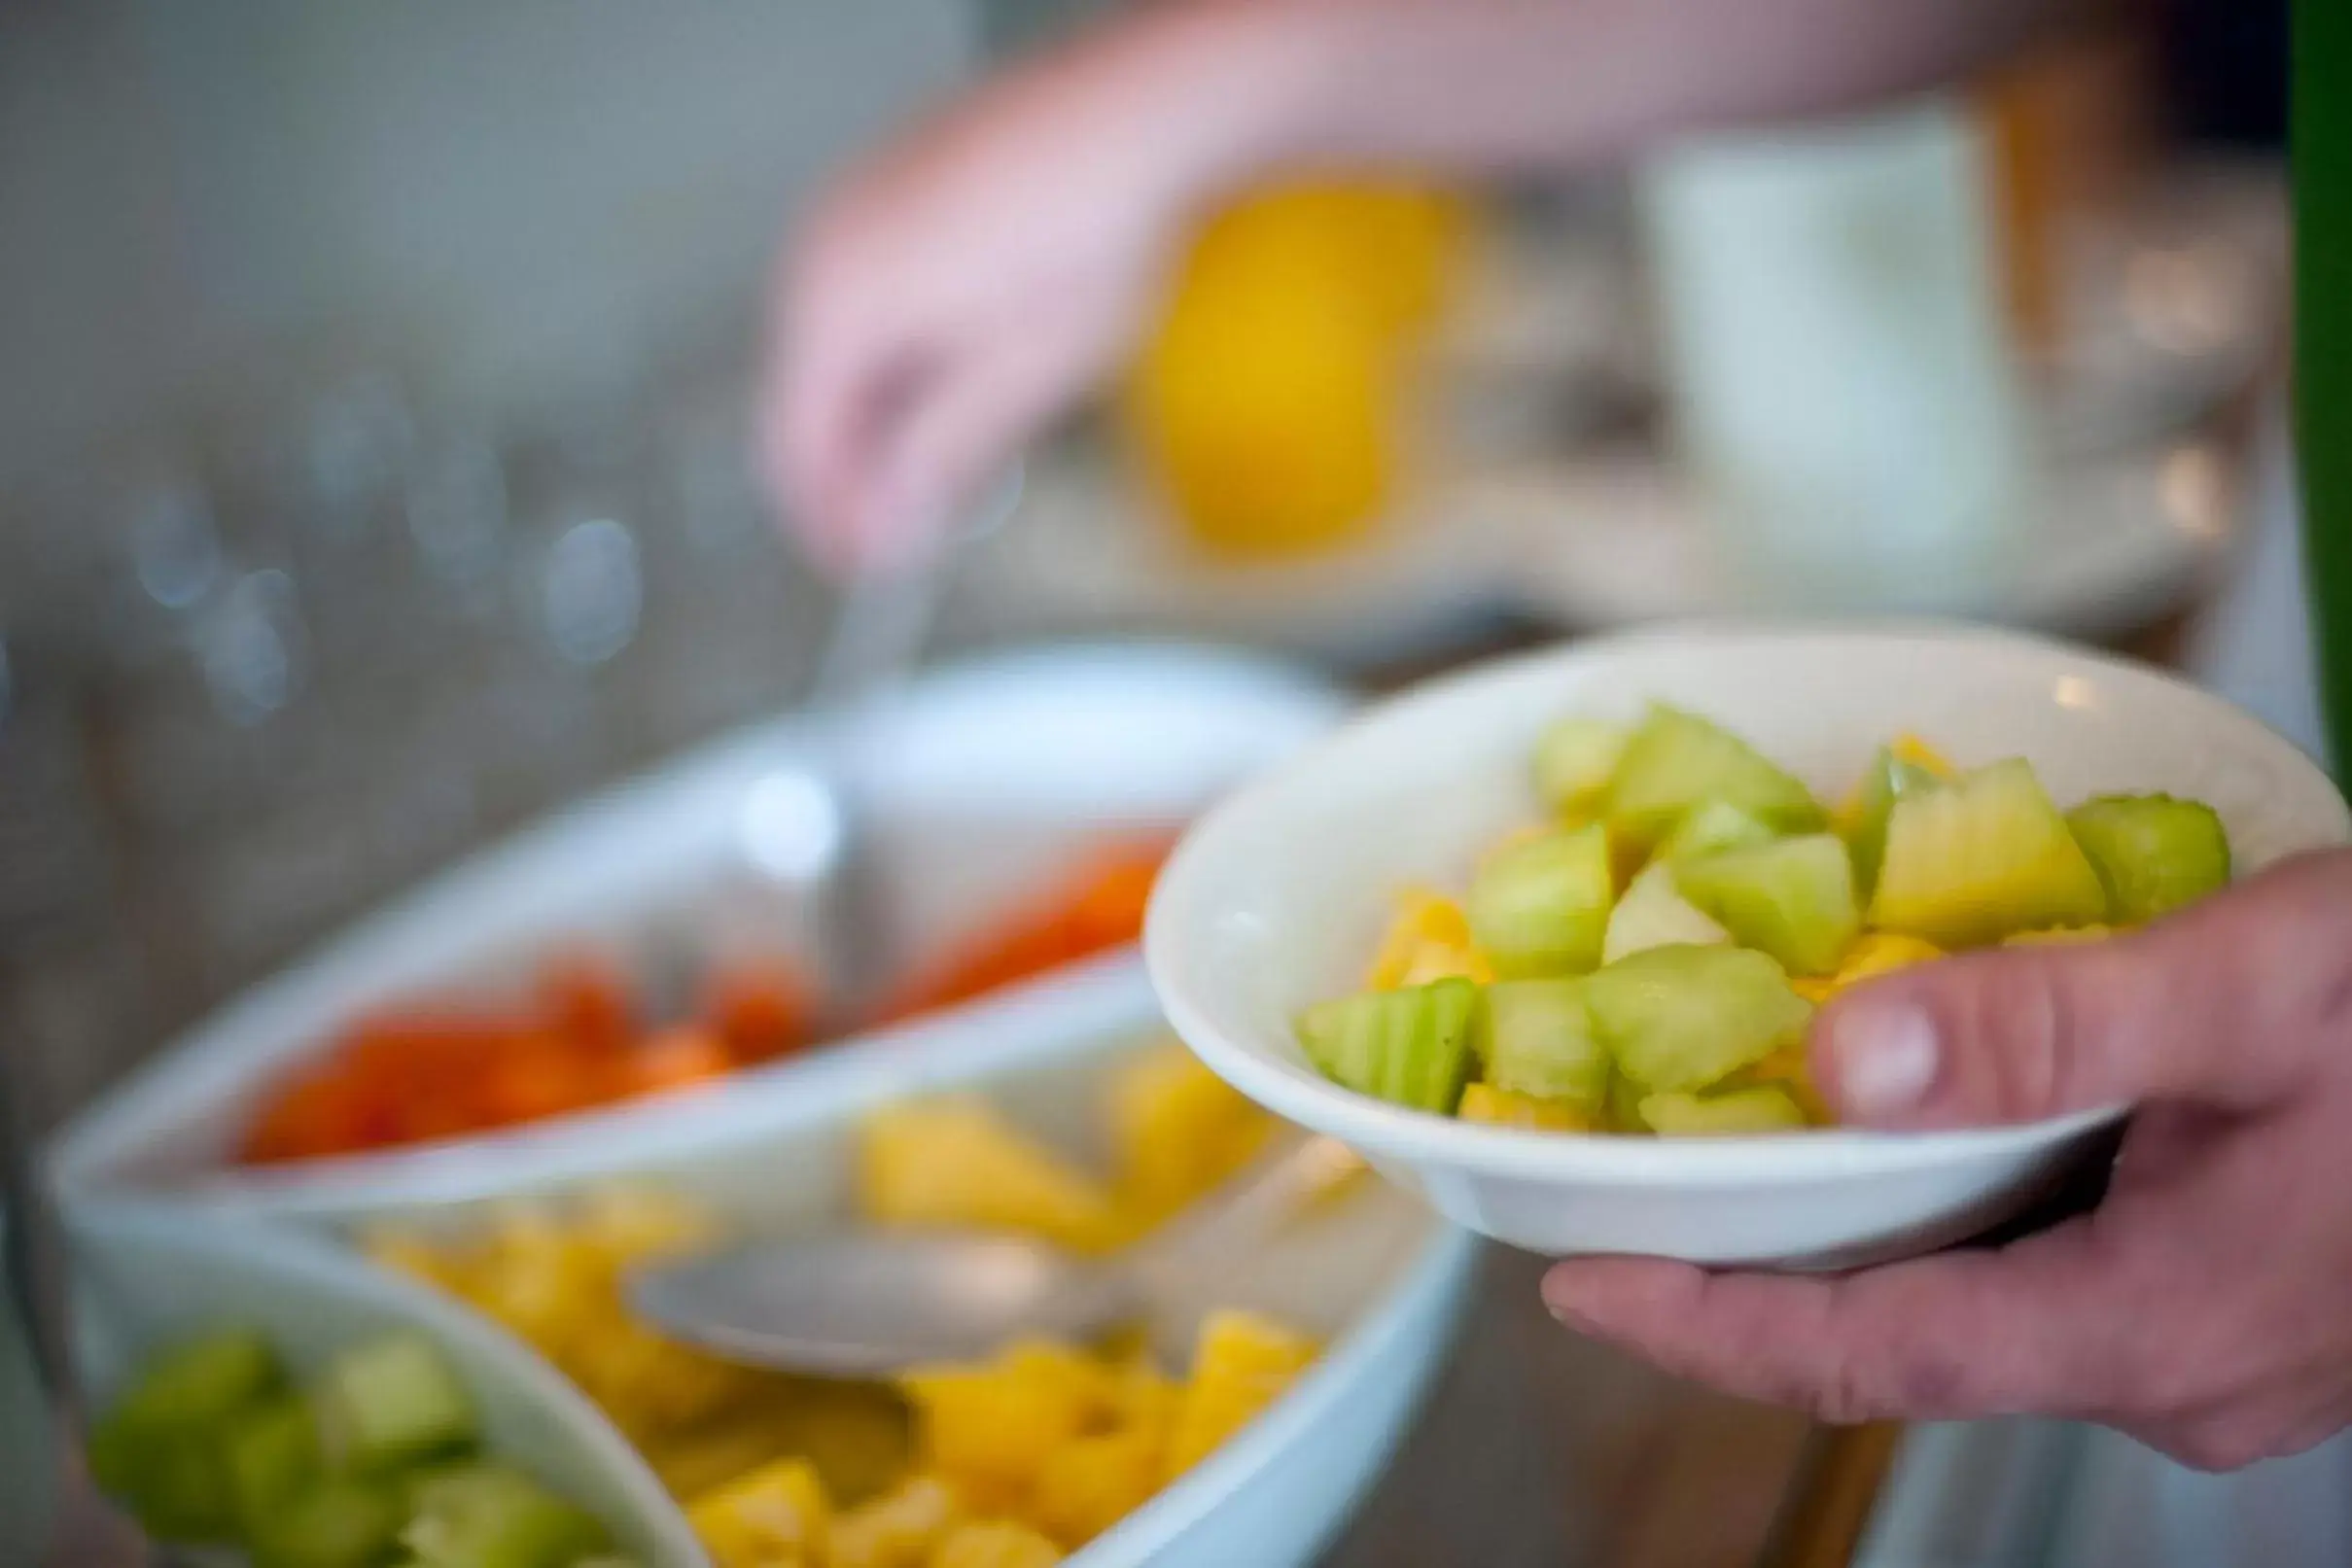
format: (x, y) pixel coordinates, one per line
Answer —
(2225, 1002)
(1959, 1334)
(973, 411)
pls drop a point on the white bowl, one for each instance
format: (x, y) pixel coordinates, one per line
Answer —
(1374, 1274)
(986, 777)
(1275, 899)
(148, 1275)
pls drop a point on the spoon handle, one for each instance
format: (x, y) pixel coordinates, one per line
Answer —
(1248, 1212)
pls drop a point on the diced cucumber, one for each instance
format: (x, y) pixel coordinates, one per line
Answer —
(1711, 827)
(341, 1522)
(1793, 898)
(1540, 1043)
(1574, 760)
(390, 1402)
(1983, 856)
(270, 1456)
(2153, 853)
(1654, 914)
(1677, 760)
(1411, 1047)
(1736, 1111)
(200, 1382)
(491, 1516)
(1890, 777)
(1543, 907)
(1682, 1018)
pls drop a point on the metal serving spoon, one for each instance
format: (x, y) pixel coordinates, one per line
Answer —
(871, 1302)
(802, 824)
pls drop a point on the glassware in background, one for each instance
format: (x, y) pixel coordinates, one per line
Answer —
(1837, 370)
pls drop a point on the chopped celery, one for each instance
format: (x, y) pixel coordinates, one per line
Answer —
(390, 1402)
(1711, 827)
(1681, 1018)
(1412, 1047)
(1541, 907)
(491, 1516)
(1574, 760)
(1678, 760)
(1761, 1109)
(1539, 1043)
(341, 1522)
(2153, 853)
(1654, 914)
(1793, 898)
(1980, 858)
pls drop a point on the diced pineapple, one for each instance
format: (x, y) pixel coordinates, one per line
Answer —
(957, 1163)
(2059, 936)
(1911, 749)
(989, 1429)
(1145, 1397)
(774, 1517)
(1241, 1364)
(1790, 1069)
(1429, 939)
(899, 1529)
(1088, 1485)
(1880, 953)
(1484, 1102)
(1180, 1130)
(994, 1544)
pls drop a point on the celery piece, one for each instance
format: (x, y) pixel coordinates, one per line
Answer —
(1412, 1047)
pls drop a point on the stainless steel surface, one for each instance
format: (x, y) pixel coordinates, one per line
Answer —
(85, 1529)
(866, 1303)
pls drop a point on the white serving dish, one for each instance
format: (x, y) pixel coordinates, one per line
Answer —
(987, 778)
(1375, 1273)
(147, 1277)
(1275, 899)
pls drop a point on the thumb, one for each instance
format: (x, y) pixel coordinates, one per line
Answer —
(2228, 1003)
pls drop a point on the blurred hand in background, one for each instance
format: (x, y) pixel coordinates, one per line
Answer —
(968, 285)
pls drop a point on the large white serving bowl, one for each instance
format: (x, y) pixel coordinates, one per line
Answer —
(986, 777)
(147, 1277)
(1275, 899)
(1372, 1272)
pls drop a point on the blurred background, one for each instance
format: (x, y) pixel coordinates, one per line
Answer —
(374, 475)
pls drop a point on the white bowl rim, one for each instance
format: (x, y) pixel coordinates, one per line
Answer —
(1819, 1157)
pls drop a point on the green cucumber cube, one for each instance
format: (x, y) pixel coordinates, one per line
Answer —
(1710, 828)
(391, 1402)
(1793, 898)
(1412, 1047)
(1654, 914)
(1541, 907)
(2153, 853)
(1890, 777)
(492, 1516)
(1678, 760)
(1574, 760)
(1683, 1017)
(340, 1523)
(1983, 857)
(1539, 1041)
(1736, 1111)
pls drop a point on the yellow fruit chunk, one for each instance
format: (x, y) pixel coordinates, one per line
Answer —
(774, 1517)
(1180, 1130)
(957, 1163)
(1878, 952)
(1499, 1107)
(989, 1429)
(1911, 748)
(897, 1530)
(994, 1544)
(1241, 1364)
(1789, 1070)
(1427, 940)
(1088, 1485)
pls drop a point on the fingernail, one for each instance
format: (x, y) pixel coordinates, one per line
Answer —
(1887, 1058)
